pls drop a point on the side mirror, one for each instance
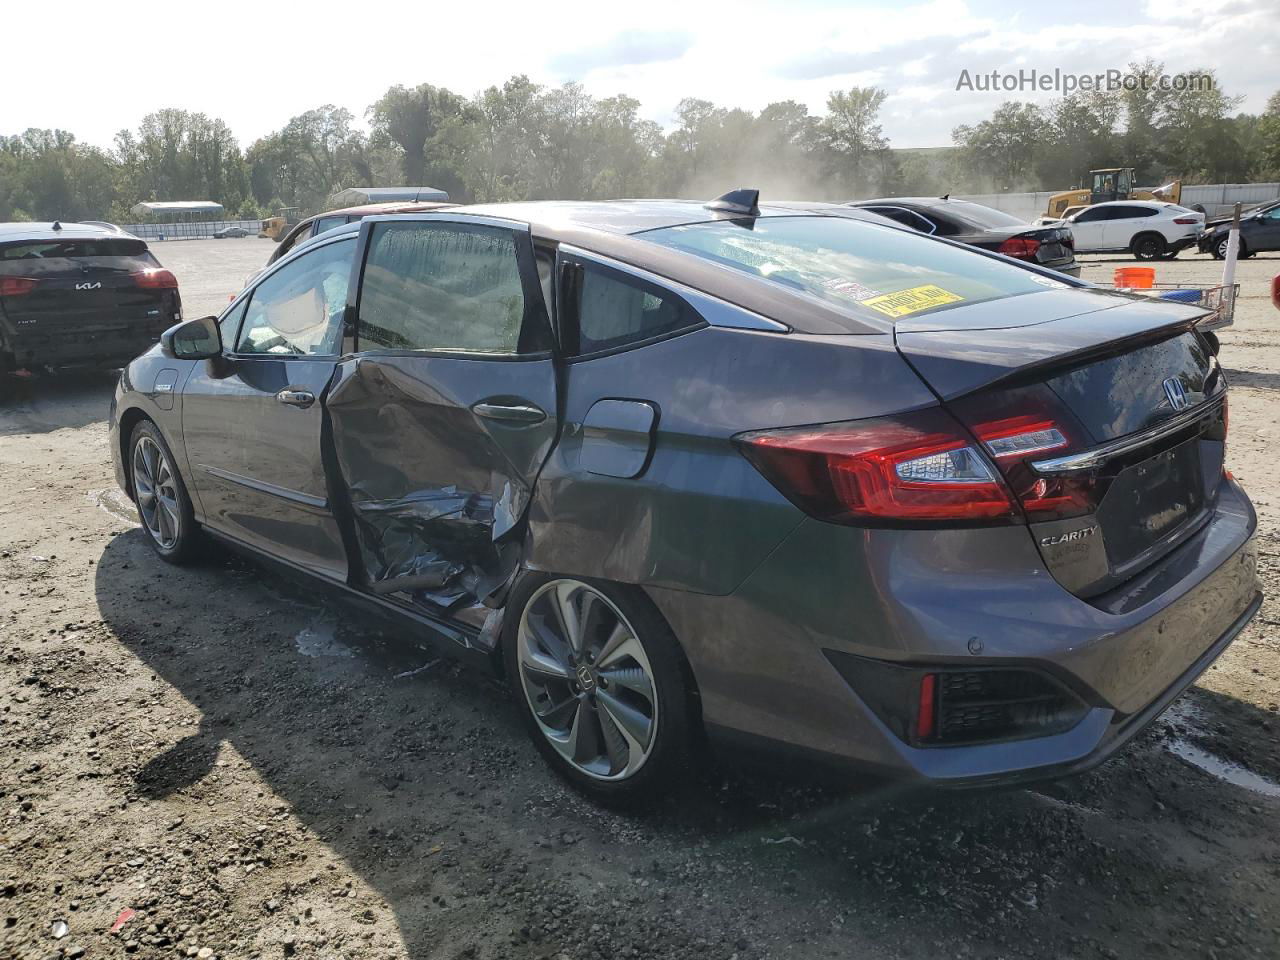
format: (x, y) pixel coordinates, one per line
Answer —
(193, 339)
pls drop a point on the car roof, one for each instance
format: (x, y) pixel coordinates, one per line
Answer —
(1129, 203)
(391, 206)
(65, 231)
(920, 202)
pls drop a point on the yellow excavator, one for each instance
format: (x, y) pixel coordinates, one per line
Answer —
(1112, 183)
(274, 228)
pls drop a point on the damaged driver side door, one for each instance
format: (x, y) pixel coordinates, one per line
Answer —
(444, 414)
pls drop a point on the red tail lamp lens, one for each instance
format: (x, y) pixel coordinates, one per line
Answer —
(915, 467)
(1021, 248)
(156, 279)
(16, 286)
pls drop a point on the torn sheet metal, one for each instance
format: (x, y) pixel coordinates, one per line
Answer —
(436, 495)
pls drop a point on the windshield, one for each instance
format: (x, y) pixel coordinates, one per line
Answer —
(858, 267)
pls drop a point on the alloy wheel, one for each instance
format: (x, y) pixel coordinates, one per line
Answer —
(1148, 248)
(587, 680)
(154, 487)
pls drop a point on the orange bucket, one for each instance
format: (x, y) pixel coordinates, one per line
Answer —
(1134, 278)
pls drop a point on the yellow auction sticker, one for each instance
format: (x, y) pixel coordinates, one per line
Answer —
(911, 300)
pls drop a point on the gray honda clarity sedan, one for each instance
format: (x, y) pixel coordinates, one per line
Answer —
(780, 475)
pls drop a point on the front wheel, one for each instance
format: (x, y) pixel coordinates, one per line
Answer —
(602, 682)
(164, 508)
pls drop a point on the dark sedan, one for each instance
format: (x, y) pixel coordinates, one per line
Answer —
(1259, 233)
(79, 294)
(984, 227)
(785, 479)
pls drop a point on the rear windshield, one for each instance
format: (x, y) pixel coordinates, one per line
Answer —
(857, 267)
(72, 249)
(982, 216)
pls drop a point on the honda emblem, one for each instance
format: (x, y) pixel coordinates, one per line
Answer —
(1176, 394)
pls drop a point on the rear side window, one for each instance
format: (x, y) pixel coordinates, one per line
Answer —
(328, 223)
(442, 286)
(860, 268)
(614, 310)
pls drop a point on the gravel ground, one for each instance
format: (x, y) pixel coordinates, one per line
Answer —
(254, 773)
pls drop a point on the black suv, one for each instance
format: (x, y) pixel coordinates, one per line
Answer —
(79, 293)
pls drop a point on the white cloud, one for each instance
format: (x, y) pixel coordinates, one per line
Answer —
(93, 71)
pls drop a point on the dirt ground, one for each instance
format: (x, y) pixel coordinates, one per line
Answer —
(255, 773)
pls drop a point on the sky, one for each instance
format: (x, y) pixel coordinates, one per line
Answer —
(94, 68)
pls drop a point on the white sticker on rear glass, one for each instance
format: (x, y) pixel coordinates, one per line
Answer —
(850, 288)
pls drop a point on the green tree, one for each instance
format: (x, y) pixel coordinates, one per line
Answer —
(1004, 151)
(853, 139)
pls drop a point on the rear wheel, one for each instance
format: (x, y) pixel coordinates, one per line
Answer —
(601, 678)
(1148, 246)
(164, 508)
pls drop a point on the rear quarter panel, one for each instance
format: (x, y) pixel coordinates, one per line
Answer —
(699, 517)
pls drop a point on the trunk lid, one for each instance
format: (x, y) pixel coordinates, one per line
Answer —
(1125, 410)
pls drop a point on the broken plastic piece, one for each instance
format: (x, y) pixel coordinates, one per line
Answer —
(126, 915)
(60, 929)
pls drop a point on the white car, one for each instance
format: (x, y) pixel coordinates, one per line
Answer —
(1149, 229)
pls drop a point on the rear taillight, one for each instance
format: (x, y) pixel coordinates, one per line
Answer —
(1020, 248)
(1020, 426)
(155, 279)
(1186, 221)
(919, 467)
(16, 286)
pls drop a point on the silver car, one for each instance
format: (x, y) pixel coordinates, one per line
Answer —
(783, 476)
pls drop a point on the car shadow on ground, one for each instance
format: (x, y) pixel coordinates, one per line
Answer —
(41, 401)
(422, 780)
(1263, 380)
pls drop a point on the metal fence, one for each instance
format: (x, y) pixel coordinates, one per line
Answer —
(193, 230)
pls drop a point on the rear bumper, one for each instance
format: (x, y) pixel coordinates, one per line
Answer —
(105, 348)
(919, 598)
(1071, 269)
(1182, 243)
(1207, 241)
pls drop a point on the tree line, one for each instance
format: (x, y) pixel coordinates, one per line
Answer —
(523, 140)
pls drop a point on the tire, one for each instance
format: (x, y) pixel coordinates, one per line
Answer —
(1212, 339)
(1148, 246)
(617, 733)
(164, 506)
(1220, 249)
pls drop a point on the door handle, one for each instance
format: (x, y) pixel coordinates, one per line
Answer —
(510, 412)
(296, 398)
